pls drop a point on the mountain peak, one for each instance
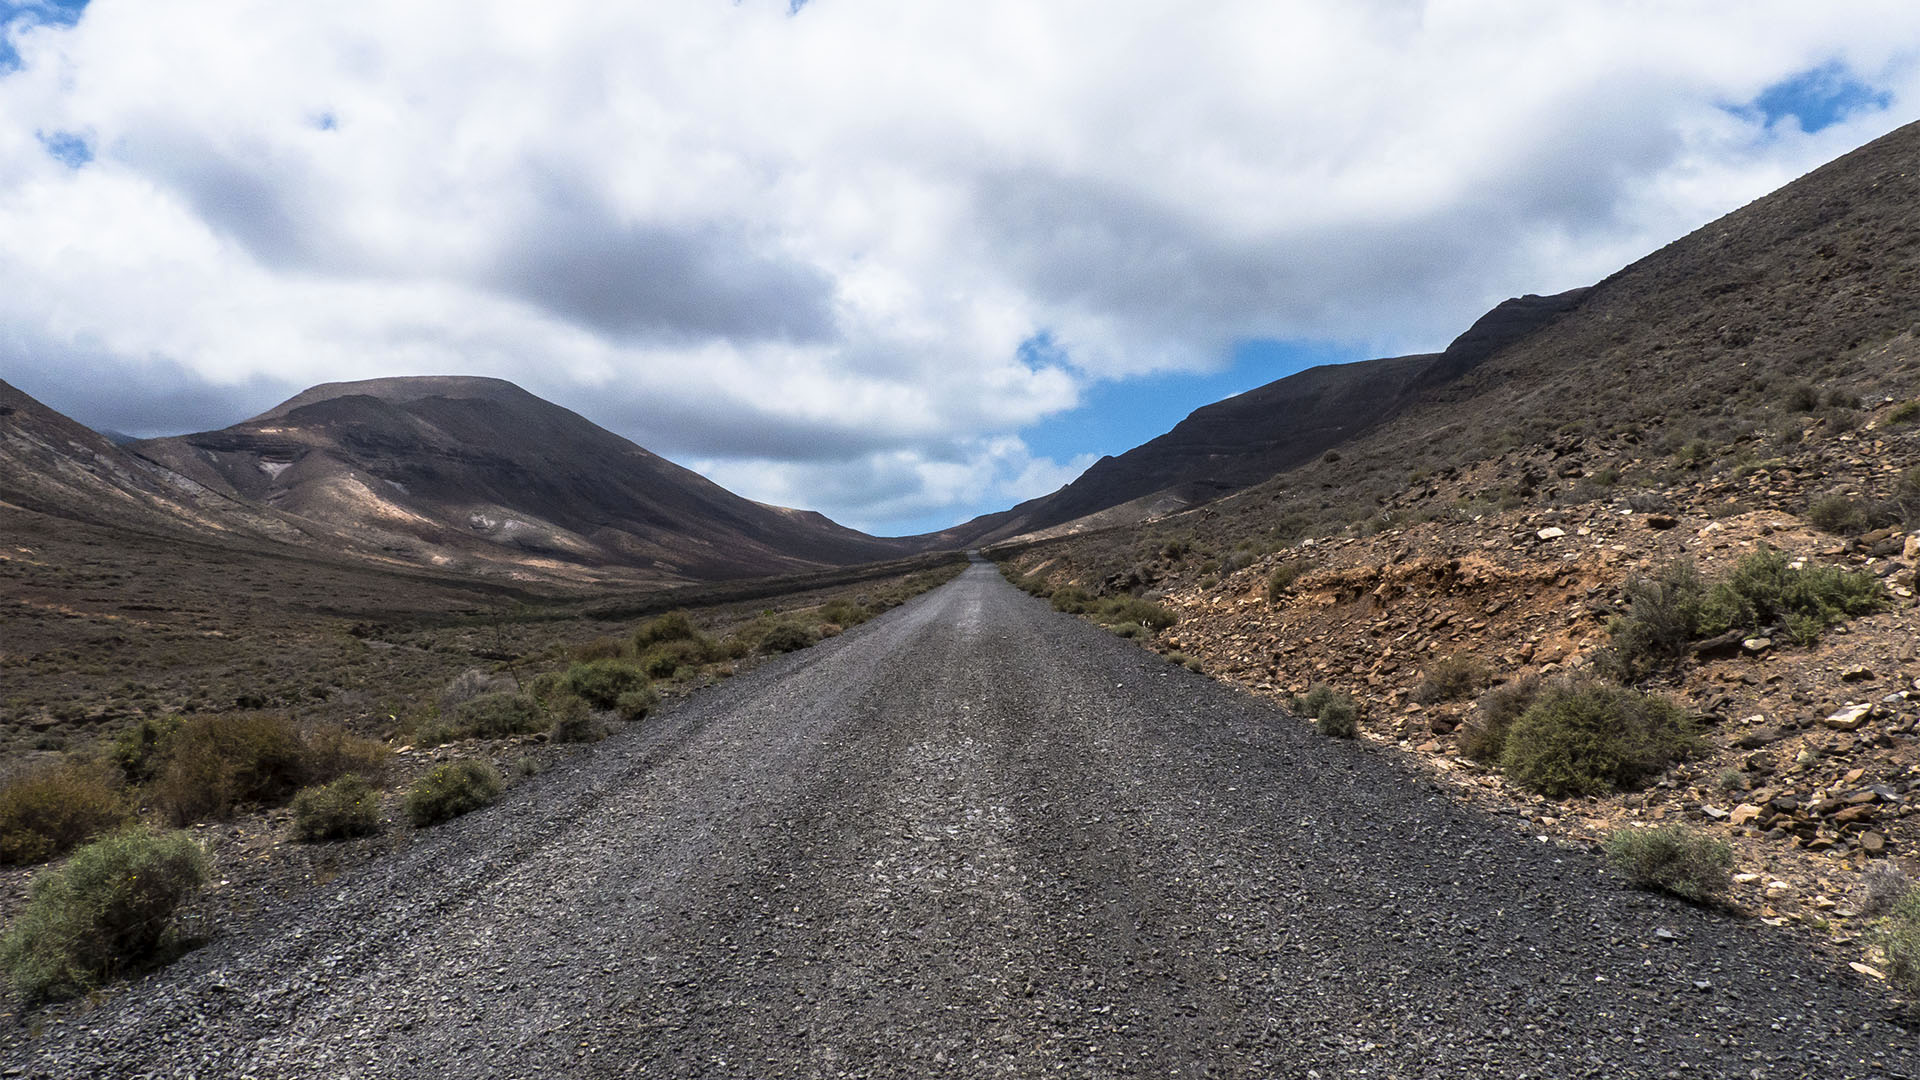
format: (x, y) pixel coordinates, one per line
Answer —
(402, 389)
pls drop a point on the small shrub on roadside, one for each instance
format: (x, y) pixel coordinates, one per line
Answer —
(347, 807)
(673, 626)
(636, 704)
(573, 722)
(1132, 609)
(215, 763)
(1484, 736)
(1593, 738)
(46, 811)
(1882, 887)
(1899, 938)
(1673, 859)
(108, 911)
(1132, 631)
(456, 788)
(786, 637)
(1332, 712)
(670, 658)
(1904, 413)
(1071, 599)
(1450, 678)
(601, 682)
(500, 714)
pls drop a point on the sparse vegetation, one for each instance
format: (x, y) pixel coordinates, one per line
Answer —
(1451, 678)
(1484, 736)
(574, 723)
(1284, 576)
(635, 704)
(1593, 738)
(211, 765)
(347, 807)
(1838, 514)
(1899, 938)
(500, 714)
(1904, 413)
(46, 811)
(786, 637)
(1672, 607)
(449, 790)
(1332, 712)
(1673, 859)
(107, 912)
(601, 682)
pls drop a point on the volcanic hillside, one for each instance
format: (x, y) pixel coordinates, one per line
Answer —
(472, 473)
(1236, 443)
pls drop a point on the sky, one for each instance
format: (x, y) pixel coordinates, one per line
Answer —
(902, 263)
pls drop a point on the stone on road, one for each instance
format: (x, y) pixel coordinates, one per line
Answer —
(975, 838)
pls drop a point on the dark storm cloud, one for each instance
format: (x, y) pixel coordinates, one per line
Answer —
(721, 429)
(656, 283)
(142, 400)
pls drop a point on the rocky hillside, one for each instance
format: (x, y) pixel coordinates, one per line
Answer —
(1241, 441)
(471, 473)
(1751, 388)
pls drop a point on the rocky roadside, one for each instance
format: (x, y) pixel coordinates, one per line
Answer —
(1813, 774)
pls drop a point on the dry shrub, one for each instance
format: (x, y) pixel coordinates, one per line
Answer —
(216, 763)
(47, 810)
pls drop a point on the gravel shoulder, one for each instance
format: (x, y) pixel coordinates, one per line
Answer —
(977, 838)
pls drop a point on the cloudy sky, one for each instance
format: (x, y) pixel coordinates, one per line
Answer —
(902, 262)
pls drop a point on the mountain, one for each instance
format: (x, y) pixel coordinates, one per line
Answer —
(53, 465)
(1241, 441)
(477, 473)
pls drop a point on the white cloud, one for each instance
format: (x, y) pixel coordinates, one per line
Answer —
(806, 249)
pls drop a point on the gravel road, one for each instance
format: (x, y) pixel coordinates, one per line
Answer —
(975, 838)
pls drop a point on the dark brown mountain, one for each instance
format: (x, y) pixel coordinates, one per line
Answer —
(471, 472)
(53, 465)
(1243, 440)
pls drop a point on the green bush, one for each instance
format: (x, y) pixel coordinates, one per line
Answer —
(456, 788)
(1838, 514)
(673, 626)
(786, 637)
(669, 658)
(844, 613)
(1114, 610)
(636, 704)
(1071, 599)
(1484, 736)
(601, 682)
(499, 714)
(46, 811)
(1450, 678)
(1332, 712)
(1132, 631)
(1671, 608)
(1672, 859)
(136, 749)
(574, 723)
(1592, 738)
(1903, 413)
(1899, 938)
(349, 806)
(1283, 577)
(105, 913)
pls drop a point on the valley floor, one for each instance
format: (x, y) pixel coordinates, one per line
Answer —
(977, 838)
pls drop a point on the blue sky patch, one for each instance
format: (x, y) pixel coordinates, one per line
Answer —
(67, 148)
(1114, 417)
(1816, 98)
(34, 12)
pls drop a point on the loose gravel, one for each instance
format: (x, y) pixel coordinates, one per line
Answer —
(975, 838)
